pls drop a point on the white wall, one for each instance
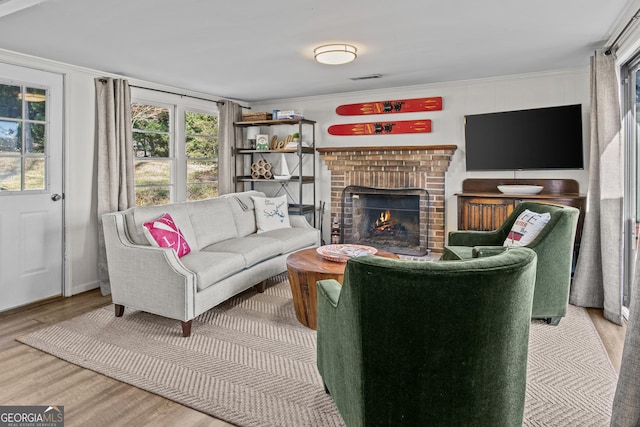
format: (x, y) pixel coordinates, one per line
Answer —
(79, 176)
(459, 99)
(81, 234)
(506, 93)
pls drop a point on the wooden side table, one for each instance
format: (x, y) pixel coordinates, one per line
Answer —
(305, 268)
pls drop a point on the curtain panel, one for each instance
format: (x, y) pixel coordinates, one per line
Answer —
(597, 281)
(114, 142)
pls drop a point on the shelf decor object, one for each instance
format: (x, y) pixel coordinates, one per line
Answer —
(262, 115)
(415, 105)
(262, 142)
(261, 170)
(284, 169)
(520, 189)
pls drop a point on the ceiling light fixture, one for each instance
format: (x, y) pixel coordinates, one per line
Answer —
(335, 54)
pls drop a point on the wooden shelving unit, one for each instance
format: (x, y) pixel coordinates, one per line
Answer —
(300, 204)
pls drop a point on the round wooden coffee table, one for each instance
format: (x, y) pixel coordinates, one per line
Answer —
(305, 268)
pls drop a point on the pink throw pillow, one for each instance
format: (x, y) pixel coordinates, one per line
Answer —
(163, 232)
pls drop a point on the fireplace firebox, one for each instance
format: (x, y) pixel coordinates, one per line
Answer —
(396, 220)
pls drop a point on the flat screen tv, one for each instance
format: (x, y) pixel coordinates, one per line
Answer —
(534, 139)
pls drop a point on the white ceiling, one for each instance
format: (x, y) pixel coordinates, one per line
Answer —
(263, 50)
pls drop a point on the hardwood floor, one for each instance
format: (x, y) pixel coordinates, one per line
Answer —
(612, 335)
(31, 377)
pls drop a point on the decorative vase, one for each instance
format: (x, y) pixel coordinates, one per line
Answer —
(284, 169)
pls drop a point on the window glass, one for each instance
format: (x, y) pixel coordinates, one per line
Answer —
(34, 174)
(10, 103)
(201, 144)
(23, 148)
(153, 153)
(34, 138)
(150, 196)
(36, 103)
(10, 173)
(152, 172)
(10, 136)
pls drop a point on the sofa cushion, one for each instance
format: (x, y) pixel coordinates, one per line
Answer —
(163, 232)
(211, 267)
(294, 238)
(244, 211)
(456, 253)
(136, 217)
(272, 213)
(212, 221)
(254, 248)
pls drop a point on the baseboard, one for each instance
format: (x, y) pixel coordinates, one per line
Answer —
(84, 287)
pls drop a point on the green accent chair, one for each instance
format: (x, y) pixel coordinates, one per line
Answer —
(554, 247)
(408, 343)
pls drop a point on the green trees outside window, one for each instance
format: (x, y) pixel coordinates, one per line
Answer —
(23, 133)
(176, 154)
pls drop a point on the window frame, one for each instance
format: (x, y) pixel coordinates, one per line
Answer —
(178, 106)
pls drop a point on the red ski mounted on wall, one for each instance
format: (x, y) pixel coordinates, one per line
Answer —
(381, 128)
(414, 105)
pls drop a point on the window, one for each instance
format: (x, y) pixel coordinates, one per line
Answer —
(23, 135)
(630, 74)
(176, 149)
(202, 155)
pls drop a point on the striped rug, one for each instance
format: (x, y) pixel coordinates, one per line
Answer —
(249, 362)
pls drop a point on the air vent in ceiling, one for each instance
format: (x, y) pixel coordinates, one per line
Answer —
(371, 76)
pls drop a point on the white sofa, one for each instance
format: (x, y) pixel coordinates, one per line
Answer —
(227, 256)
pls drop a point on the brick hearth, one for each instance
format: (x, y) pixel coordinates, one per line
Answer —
(393, 167)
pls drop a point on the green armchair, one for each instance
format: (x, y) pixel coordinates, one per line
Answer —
(406, 343)
(554, 247)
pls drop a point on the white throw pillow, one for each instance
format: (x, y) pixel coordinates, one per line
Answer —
(527, 226)
(271, 213)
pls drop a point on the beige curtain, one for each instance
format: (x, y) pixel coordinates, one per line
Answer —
(115, 158)
(626, 404)
(597, 280)
(229, 112)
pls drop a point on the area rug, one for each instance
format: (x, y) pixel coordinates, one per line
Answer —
(249, 362)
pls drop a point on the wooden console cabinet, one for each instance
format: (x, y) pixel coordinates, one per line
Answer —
(481, 206)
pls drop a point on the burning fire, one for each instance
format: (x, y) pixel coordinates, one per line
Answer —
(383, 219)
(384, 225)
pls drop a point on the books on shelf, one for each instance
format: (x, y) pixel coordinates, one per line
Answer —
(288, 115)
(293, 145)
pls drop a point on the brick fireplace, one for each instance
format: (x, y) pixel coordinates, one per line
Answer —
(393, 167)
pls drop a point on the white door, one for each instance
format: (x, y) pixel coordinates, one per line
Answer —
(31, 197)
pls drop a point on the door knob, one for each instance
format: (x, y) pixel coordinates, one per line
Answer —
(56, 197)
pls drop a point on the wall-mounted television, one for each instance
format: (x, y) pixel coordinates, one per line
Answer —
(534, 139)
